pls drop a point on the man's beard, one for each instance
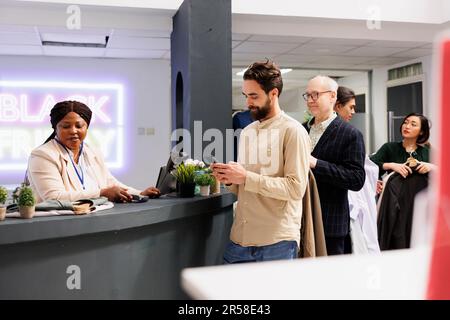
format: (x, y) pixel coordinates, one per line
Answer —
(259, 113)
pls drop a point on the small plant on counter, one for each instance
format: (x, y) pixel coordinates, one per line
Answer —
(3, 197)
(26, 202)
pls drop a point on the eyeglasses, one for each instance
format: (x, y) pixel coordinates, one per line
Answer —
(314, 95)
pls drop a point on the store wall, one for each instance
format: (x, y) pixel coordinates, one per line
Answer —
(146, 110)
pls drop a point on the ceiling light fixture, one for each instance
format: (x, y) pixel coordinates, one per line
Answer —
(74, 40)
(241, 73)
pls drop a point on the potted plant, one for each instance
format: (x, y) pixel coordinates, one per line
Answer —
(215, 186)
(3, 197)
(185, 173)
(26, 202)
(204, 180)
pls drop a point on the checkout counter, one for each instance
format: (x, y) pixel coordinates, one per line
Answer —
(132, 251)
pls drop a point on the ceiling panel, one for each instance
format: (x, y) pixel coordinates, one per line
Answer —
(321, 49)
(414, 53)
(264, 47)
(17, 28)
(285, 39)
(84, 30)
(166, 55)
(244, 63)
(343, 59)
(251, 57)
(239, 36)
(123, 42)
(293, 64)
(295, 58)
(20, 50)
(333, 66)
(296, 77)
(386, 61)
(373, 51)
(136, 54)
(364, 66)
(141, 33)
(340, 42)
(286, 51)
(235, 43)
(428, 46)
(20, 38)
(395, 44)
(73, 51)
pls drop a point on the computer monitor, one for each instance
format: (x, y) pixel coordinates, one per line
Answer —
(166, 182)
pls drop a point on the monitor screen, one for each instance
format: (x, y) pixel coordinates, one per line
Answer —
(166, 181)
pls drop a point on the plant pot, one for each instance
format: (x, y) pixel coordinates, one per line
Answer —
(215, 188)
(186, 190)
(2, 213)
(204, 191)
(26, 212)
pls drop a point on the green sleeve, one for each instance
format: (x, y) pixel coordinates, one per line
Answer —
(426, 154)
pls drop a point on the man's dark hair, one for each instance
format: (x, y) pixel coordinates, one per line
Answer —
(267, 74)
(424, 127)
(344, 95)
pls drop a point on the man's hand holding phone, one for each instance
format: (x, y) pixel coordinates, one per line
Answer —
(229, 173)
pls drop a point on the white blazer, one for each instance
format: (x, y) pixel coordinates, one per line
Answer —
(52, 175)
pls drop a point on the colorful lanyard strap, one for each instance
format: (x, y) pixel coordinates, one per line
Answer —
(80, 176)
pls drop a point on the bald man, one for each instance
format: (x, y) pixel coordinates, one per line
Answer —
(337, 161)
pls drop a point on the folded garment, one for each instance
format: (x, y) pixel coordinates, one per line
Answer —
(61, 212)
(68, 205)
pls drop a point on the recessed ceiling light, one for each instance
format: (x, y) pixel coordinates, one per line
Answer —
(241, 73)
(74, 40)
(283, 71)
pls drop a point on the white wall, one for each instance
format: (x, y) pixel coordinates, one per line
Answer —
(417, 10)
(446, 9)
(147, 103)
(359, 83)
(291, 102)
(154, 4)
(93, 19)
(379, 99)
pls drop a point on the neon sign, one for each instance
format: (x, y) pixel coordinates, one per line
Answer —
(25, 122)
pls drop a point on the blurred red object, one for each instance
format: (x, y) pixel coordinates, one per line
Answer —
(439, 273)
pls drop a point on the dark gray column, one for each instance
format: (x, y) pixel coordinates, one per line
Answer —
(201, 69)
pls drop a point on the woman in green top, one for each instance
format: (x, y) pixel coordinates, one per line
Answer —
(392, 156)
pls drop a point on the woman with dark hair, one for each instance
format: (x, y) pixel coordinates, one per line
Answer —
(411, 153)
(66, 168)
(363, 208)
(345, 103)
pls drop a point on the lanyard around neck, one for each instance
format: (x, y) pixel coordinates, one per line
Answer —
(80, 174)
